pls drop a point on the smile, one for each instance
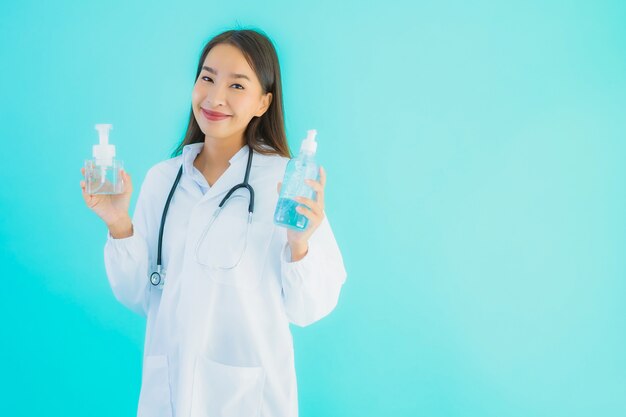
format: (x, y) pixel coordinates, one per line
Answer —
(214, 116)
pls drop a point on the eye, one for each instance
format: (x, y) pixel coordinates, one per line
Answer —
(209, 78)
(240, 86)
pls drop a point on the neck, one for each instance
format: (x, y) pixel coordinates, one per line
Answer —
(218, 152)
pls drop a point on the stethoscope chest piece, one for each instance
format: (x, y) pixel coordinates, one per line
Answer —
(156, 280)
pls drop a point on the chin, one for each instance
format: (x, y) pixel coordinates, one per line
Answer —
(215, 133)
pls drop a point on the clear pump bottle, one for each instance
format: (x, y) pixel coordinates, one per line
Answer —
(102, 173)
(298, 169)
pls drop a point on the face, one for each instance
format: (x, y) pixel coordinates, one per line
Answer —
(227, 94)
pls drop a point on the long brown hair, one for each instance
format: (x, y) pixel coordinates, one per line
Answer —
(265, 134)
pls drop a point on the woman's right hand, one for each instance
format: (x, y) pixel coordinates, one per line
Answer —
(111, 208)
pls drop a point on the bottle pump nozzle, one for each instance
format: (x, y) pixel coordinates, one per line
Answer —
(103, 152)
(309, 144)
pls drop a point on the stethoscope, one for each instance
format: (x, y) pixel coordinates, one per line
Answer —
(157, 278)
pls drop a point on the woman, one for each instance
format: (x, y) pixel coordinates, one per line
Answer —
(217, 337)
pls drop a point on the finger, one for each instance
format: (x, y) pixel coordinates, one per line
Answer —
(317, 186)
(319, 189)
(314, 220)
(279, 186)
(323, 176)
(87, 197)
(82, 171)
(128, 183)
(306, 213)
(313, 205)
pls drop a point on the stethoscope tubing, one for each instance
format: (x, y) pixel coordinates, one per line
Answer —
(155, 277)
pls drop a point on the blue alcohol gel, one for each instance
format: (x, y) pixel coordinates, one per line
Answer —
(298, 169)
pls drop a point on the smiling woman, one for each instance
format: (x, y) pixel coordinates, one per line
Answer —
(221, 291)
(224, 101)
(240, 69)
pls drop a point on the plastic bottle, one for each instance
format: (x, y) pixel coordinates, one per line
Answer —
(298, 169)
(102, 174)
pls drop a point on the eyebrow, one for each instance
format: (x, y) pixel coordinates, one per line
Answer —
(232, 75)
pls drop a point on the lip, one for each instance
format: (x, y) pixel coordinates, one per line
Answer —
(214, 115)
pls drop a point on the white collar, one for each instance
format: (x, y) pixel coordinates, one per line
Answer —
(191, 151)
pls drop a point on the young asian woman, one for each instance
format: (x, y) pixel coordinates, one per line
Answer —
(217, 339)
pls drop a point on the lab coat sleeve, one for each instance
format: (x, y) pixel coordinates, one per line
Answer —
(127, 259)
(312, 284)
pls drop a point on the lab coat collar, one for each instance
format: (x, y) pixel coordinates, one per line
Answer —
(233, 175)
(192, 150)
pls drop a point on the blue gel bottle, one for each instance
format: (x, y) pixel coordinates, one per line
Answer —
(298, 169)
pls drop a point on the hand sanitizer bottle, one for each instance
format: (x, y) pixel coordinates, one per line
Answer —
(298, 169)
(102, 174)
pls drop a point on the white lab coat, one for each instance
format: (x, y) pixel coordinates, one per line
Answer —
(218, 342)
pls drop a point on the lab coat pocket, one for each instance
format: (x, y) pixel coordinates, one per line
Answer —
(226, 391)
(154, 399)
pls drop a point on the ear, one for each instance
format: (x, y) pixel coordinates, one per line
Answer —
(266, 100)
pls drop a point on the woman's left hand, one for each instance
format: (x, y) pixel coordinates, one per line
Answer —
(314, 211)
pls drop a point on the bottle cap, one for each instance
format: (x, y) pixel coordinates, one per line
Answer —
(103, 152)
(309, 144)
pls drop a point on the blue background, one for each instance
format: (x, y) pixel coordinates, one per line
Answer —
(475, 157)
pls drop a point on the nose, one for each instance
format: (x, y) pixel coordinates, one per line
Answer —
(216, 96)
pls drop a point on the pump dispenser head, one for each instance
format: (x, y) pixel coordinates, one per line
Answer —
(103, 152)
(309, 144)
